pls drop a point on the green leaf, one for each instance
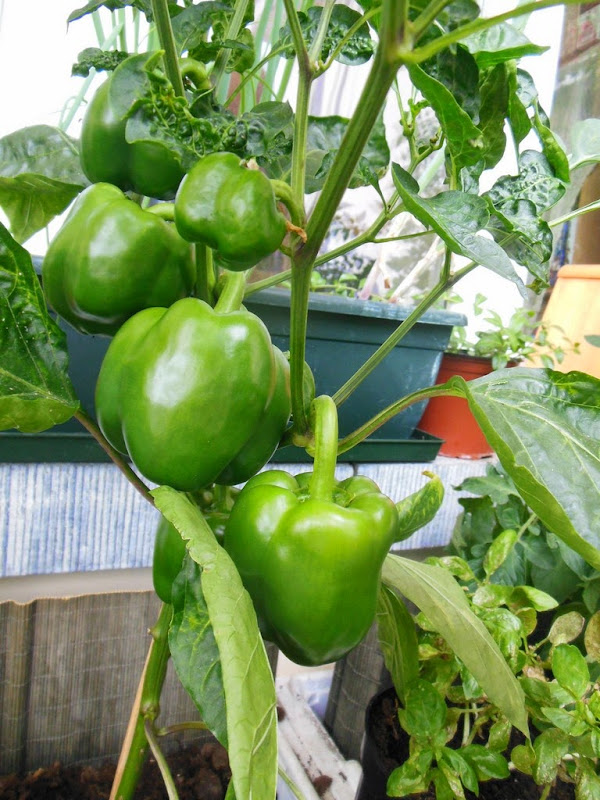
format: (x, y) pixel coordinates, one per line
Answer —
(491, 595)
(506, 629)
(424, 713)
(585, 143)
(565, 721)
(357, 50)
(494, 110)
(593, 339)
(406, 779)
(192, 24)
(535, 182)
(566, 628)
(100, 60)
(457, 70)
(325, 135)
(499, 551)
(518, 103)
(529, 596)
(420, 507)
(452, 777)
(35, 390)
(592, 637)
(500, 43)
(553, 150)
(499, 735)
(549, 748)
(456, 217)
(247, 678)
(545, 428)
(523, 236)
(570, 669)
(463, 138)
(588, 785)
(40, 175)
(440, 598)
(523, 757)
(488, 765)
(544, 693)
(145, 6)
(462, 767)
(398, 640)
(194, 649)
(455, 565)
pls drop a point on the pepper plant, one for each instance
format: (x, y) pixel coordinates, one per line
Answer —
(192, 395)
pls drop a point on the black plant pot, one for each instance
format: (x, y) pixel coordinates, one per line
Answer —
(377, 759)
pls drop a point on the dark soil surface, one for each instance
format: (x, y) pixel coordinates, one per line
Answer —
(392, 750)
(201, 772)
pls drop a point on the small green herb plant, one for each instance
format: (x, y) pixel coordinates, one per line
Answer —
(458, 737)
(536, 557)
(518, 340)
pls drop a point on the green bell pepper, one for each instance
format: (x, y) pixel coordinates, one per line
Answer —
(111, 259)
(145, 167)
(230, 207)
(194, 395)
(309, 551)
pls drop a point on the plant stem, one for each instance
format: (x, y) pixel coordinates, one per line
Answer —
(314, 53)
(145, 707)
(369, 365)
(300, 273)
(577, 212)
(421, 54)
(235, 25)
(265, 283)
(205, 274)
(357, 436)
(232, 294)
(325, 426)
(89, 424)
(161, 761)
(162, 20)
(372, 99)
(180, 727)
(165, 211)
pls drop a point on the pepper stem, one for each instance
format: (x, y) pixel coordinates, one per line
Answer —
(325, 426)
(283, 192)
(232, 294)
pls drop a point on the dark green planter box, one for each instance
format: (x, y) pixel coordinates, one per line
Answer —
(342, 334)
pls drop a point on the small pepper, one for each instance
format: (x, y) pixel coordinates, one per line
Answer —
(111, 259)
(231, 208)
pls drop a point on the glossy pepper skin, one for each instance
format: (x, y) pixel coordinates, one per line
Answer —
(231, 208)
(193, 395)
(145, 167)
(311, 566)
(111, 259)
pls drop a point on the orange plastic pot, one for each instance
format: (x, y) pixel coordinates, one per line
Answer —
(449, 418)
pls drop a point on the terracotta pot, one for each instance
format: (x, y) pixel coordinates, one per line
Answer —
(449, 418)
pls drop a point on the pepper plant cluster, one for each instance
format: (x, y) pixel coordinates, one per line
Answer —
(190, 170)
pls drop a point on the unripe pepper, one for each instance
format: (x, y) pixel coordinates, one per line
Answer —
(309, 551)
(194, 395)
(145, 167)
(111, 259)
(231, 208)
